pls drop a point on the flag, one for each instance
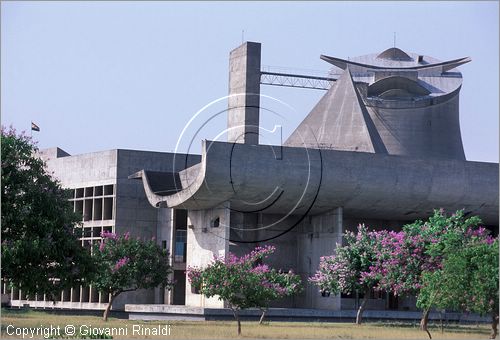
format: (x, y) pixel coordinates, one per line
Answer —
(35, 127)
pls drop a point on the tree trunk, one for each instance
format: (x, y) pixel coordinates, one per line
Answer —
(237, 317)
(108, 308)
(424, 321)
(361, 309)
(494, 326)
(262, 316)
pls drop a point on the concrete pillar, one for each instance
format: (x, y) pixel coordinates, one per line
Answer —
(317, 239)
(165, 232)
(244, 94)
(206, 239)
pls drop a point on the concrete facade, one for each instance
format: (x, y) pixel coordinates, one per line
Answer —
(382, 147)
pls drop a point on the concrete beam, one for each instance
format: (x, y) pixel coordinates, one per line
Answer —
(315, 181)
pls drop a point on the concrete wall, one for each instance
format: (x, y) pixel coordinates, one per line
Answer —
(317, 238)
(421, 132)
(90, 169)
(298, 249)
(203, 243)
(263, 230)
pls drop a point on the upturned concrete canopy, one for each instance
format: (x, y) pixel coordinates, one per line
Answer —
(301, 180)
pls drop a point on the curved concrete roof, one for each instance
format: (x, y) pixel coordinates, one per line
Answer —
(252, 178)
(414, 62)
(394, 53)
(439, 78)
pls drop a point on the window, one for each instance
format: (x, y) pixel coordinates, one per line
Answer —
(92, 205)
(180, 245)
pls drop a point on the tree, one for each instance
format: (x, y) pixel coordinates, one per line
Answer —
(468, 277)
(244, 282)
(404, 257)
(348, 270)
(482, 271)
(41, 253)
(126, 264)
(400, 262)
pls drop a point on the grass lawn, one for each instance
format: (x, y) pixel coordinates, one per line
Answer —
(227, 329)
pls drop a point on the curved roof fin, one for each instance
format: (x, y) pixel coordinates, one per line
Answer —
(394, 53)
(445, 65)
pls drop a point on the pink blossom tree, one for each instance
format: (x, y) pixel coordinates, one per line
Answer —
(402, 258)
(244, 282)
(348, 270)
(126, 264)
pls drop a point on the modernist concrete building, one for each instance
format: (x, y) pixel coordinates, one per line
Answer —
(109, 201)
(382, 147)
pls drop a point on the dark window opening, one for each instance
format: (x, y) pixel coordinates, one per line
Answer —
(179, 297)
(180, 245)
(79, 193)
(108, 189)
(180, 219)
(98, 191)
(89, 192)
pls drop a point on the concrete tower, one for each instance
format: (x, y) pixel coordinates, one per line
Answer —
(244, 94)
(393, 102)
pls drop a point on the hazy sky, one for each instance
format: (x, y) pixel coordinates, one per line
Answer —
(97, 75)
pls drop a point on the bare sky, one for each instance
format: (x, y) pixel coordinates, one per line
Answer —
(104, 75)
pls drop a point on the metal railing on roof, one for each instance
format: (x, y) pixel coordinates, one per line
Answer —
(301, 78)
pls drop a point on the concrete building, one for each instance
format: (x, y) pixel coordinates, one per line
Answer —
(382, 147)
(109, 201)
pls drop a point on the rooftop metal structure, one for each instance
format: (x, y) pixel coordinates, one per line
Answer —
(307, 79)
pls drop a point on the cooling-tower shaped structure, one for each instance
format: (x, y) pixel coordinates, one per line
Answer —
(394, 102)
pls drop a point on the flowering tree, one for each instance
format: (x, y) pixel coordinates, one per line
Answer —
(348, 270)
(41, 253)
(244, 282)
(403, 257)
(127, 264)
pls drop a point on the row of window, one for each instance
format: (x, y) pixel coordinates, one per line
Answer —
(84, 294)
(96, 191)
(95, 209)
(92, 232)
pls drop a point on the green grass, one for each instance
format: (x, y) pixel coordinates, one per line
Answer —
(227, 329)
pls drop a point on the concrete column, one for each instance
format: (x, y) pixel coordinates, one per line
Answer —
(204, 241)
(317, 239)
(165, 232)
(244, 94)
